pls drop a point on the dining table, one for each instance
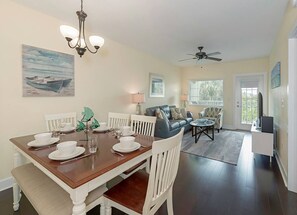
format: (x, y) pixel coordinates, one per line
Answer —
(81, 176)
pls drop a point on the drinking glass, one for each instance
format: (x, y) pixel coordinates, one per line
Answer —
(93, 143)
(56, 133)
(117, 133)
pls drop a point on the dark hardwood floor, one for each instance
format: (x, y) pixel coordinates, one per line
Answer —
(209, 187)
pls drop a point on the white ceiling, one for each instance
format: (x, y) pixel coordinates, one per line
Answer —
(171, 29)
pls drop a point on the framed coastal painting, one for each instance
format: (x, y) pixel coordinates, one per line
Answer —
(157, 85)
(47, 73)
(275, 76)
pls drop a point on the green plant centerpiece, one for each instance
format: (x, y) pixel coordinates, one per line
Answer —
(88, 122)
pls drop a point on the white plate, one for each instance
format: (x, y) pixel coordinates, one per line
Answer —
(34, 143)
(99, 129)
(67, 129)
(56, 155)
(134, 147)
(129, 133)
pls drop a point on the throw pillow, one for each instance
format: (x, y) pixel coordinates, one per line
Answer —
(176, 114)
(183, 112)
(158, 113)
(163, 114)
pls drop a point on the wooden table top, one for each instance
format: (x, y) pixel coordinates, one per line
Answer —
(83, 170)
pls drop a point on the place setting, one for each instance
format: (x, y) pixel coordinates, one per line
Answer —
(123, 131)
(69, 151)
(66, 128)
(103, 128)
(126, 131)
(43, 140)
(126, 145)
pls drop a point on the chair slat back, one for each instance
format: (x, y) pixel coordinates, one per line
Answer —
(53, 121)
(117, 120)
(143, 124)
(165, 161)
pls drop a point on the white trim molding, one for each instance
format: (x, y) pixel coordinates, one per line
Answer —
(292, 115)
(281, 168)
(6, 183)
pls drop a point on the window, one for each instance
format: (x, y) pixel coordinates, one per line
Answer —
(208, 93)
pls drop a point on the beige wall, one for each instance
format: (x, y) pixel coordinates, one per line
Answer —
(279, 96)
(226, 71)
(103, 81)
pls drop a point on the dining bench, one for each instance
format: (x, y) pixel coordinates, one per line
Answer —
(46, 196)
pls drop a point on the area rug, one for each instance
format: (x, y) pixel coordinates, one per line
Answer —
(225, 147)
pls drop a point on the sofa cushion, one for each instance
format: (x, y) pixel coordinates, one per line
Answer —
(174, 124)
(188, 119)
(166, 110)
(181, 122)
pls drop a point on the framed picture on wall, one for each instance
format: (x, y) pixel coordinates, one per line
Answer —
(157, 85)
(275, 76)
(47, 73)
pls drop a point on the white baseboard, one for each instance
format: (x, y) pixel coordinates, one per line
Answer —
(228, 127)
(281, 168)
(6, 183)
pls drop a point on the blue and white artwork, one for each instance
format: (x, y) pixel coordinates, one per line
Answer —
(275, 76)
(47, 73)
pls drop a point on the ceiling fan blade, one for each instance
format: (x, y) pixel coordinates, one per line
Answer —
(213, 58)
(214, 53)
(188, 59)
(191, 54)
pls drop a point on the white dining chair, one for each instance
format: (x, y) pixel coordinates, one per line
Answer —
(144, 125)
(144, 193)
(53, 121)
(117, 120)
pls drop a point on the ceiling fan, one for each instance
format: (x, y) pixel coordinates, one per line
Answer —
(202, 55)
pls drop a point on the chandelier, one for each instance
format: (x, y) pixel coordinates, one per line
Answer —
(76, 38)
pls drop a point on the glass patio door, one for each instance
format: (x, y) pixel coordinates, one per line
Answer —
(247, 88)
(249, 104)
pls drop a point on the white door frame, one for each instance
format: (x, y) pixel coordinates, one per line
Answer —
(292, 114)
(236, 119)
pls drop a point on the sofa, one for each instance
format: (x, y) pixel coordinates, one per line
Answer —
(213, 113)
(166, 126)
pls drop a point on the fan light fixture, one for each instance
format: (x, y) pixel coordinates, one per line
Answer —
(76, 38)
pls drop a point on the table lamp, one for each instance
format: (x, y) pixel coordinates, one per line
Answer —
(184, 99)
(138, 98)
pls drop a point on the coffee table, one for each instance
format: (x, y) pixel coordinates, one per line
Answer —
(199, 127)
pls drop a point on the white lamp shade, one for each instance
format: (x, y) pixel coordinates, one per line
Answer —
(96, 41)
(184, 97)
(82, 43)
(68, 31)
(138, 98)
